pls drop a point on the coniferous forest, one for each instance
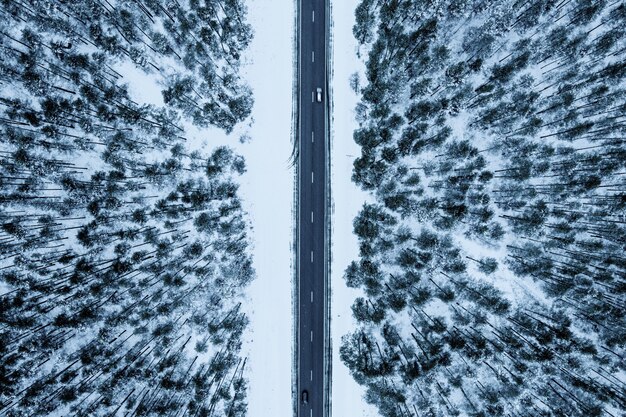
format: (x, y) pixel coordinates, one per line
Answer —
(123, 245)
(492, 259)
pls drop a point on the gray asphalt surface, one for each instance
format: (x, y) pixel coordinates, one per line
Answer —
(312, 208)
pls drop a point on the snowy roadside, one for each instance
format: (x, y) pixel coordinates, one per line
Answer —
(267, 194)
(347, 199)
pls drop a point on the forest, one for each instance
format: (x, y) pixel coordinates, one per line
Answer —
(491, 258)
(123, 243)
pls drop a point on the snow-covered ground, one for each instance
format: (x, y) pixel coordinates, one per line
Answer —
(347, 395)
(267, 193)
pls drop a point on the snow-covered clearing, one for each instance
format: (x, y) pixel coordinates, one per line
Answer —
(347, 395)
(267, 194)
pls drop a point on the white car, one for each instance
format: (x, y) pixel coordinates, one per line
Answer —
(318, 94)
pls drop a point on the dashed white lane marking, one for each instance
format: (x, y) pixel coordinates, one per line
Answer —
(311, 256)
(311, 335)
(313, 20)
(311, 296)
(312, 56)
(312, 137)
(311, 374)
(311, 217)
(311, 177)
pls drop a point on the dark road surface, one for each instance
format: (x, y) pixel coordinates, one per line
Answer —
(312, 204)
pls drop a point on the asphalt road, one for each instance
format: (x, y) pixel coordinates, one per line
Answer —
(312, 203)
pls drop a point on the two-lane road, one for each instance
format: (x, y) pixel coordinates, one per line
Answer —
(312, 205)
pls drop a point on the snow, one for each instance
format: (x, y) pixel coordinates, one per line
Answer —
(267, 195)
(143, 88)
(347, 395)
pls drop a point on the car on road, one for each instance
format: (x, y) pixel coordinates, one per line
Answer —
(305, 397)
(318, 94)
